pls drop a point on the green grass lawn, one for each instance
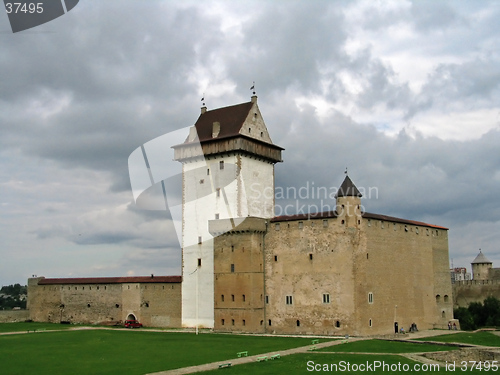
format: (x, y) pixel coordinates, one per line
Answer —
(125, 352)
(306, 364)
(476, 338)
(383, 346)
(24, 326)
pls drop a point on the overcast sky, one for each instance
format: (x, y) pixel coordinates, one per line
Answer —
(405, 94)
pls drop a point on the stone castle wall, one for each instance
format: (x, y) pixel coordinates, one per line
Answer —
(331, 276)
(467, 291)
(153, 304)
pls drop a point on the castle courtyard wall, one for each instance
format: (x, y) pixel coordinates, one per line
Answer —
(153, 304)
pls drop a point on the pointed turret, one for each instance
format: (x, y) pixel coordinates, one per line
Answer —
(348, 204)
(481, 267)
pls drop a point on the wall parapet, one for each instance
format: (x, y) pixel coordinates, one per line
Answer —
(477, 282)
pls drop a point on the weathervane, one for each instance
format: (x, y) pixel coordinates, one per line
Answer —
(203, 100)
(345, 171)
(253, 87)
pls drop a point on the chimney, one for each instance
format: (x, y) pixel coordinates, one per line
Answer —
(203, 109)
(215, 129)
(254, 98)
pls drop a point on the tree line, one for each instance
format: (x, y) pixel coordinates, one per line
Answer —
(12, 296)
(479, 315)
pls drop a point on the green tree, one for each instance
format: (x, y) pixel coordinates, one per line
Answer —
(465, 317)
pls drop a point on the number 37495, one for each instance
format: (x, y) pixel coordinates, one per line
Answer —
(24, 7)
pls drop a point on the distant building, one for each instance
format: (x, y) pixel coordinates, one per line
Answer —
(485, 283)
(459, 274)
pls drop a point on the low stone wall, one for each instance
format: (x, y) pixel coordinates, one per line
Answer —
(465, 354)
(10, 316)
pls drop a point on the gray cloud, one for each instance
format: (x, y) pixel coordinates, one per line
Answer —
(335, 85)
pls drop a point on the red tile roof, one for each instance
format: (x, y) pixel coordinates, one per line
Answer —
(112, 280)
(230, 118)
(366, 215)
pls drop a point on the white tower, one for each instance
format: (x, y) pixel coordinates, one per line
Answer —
(227, 172)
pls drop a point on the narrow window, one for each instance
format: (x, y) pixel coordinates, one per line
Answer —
(244, 322)
(370, 323)
(216, 216)
(310, 257)
(370, 297)
(232, 267)
(232, 248)
(221, 164)
(337, 324)
(261, 134)
(277, 226)
(325, 223)
(232, 297)
(244, 298)
(289, 300)
(261, 322)
(208, 171)
(445, 298)
(438, 298)
(88, 304)
(232, 322)
(275, 258)
(443, 314)
(218, 192)
(222, 297)
(343, 222)
(199, 262)
(326, 298)
(199, 239)
(366, 255)
(269, 322)
(249, 130)
(222, 321)
(301, 224)
(298, 323)
(267, 299)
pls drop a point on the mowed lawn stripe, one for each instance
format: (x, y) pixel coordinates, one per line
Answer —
(126, 352)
